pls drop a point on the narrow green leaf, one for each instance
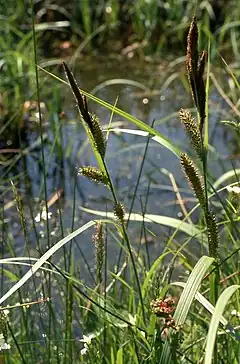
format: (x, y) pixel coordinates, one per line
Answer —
(231, 73)
(120, 81)
(224, 177)
(203, 301)
(120, 279)
(140, 124)
(216, 318)
(43, 260)
(191, 287)
(153, 270)
(185, 227)
(52, 25)
(11, 276)
(119, 356)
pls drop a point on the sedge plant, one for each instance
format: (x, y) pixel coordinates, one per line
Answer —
(158, 330)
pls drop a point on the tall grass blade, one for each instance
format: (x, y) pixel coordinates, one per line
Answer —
(140, 124)
(184, 303)
(210, 308)
(225, 176)
(216, 318)
(44, 259)
(119, 81)
(187, 228)
(191, 288)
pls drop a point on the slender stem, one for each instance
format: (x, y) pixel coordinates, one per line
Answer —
(43, 162)
(125, 235)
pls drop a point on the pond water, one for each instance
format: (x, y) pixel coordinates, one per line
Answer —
(152, 93)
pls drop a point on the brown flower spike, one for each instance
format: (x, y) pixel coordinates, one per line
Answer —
(192, 130)
(92, 121)
(195, 68)
(94, 174)
(213, 235)
(194, 178)
(119, 211)
(100, 251)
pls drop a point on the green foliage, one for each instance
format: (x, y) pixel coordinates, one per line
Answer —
(132, 312)
(16, 76)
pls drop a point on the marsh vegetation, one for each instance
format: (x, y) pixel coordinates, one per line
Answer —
(119, 210)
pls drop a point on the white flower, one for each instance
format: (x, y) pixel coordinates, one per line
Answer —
(132, 319)
(235, 313)
(87, 339)
(3, 344)
(143, 333)
(84, 350)
(234, 189)
(43, 216)
(38, 217)
(108, 9)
